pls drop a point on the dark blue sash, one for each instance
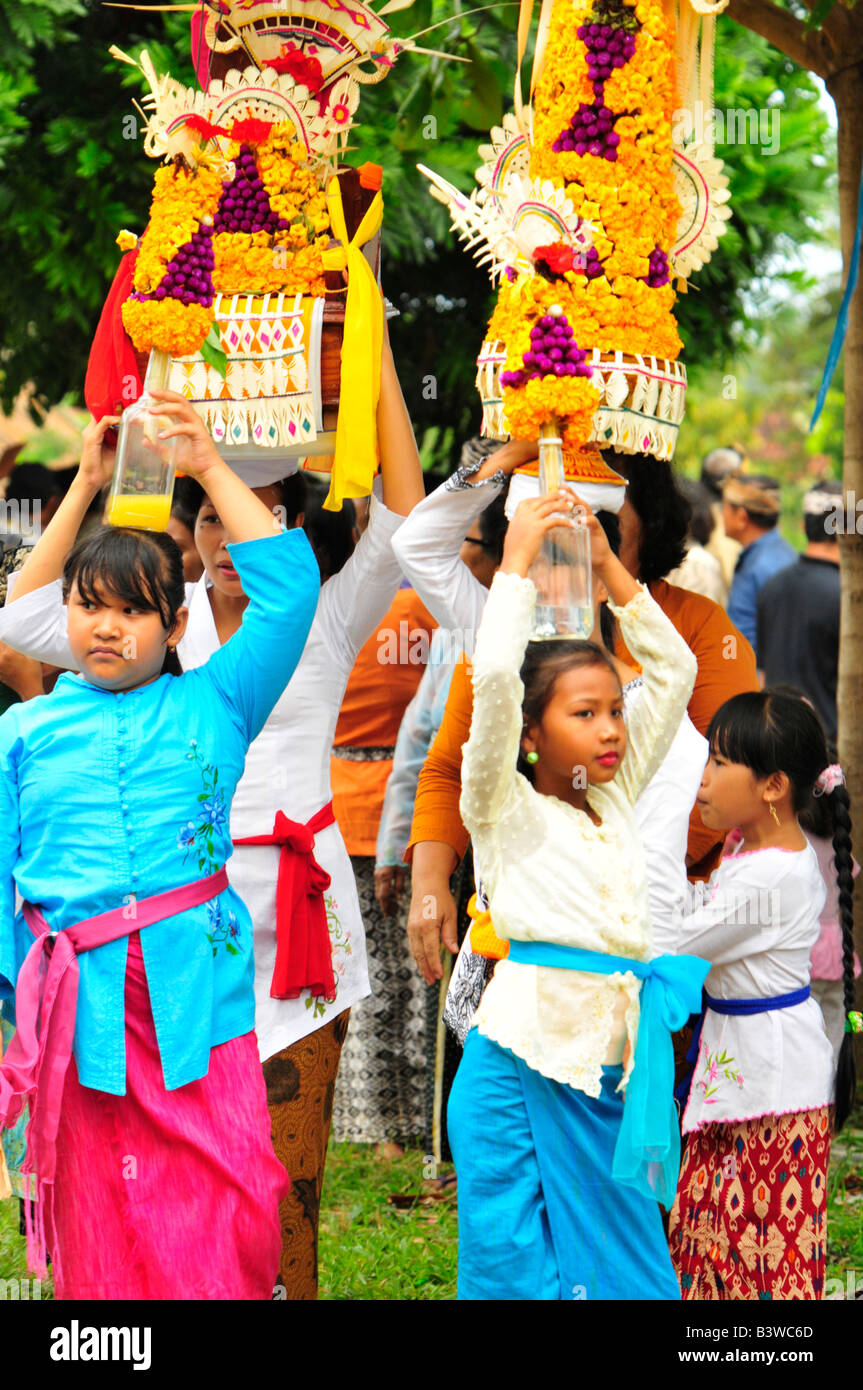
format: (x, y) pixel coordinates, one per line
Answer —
(757, 1006)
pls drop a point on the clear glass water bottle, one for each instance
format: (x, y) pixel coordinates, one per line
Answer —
(142, 487)
(562, 571)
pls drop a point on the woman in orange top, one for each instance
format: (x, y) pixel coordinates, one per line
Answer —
(653, 522)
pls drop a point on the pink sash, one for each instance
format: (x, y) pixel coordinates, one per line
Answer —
(46, 996)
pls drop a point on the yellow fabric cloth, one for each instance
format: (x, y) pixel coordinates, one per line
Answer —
(356, 454)
(484, 940)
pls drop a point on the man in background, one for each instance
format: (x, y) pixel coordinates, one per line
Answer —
(718, 465)
(798, 612)
(750, 513)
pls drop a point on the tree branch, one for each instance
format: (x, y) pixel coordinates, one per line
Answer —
(781, 29)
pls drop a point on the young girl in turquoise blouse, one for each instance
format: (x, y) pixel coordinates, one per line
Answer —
(159, 1179)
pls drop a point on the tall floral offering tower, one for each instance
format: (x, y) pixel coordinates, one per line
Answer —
(588, 215)
(237, 278)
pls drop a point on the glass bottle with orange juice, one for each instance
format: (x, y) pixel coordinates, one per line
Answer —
(142, 487)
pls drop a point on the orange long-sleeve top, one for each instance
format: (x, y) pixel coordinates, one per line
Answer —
(384, 680)
(726, 667)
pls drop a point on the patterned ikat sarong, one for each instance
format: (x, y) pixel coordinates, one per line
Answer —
(750, 1217)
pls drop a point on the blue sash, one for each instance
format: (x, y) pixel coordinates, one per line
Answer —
(757, 1006)
(647, 1152)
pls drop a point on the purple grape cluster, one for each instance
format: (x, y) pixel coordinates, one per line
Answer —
(189, 276)
(591, 131)
(608, 47)
(552, 352)
(658, 273)
(592, 263)
(245, 205)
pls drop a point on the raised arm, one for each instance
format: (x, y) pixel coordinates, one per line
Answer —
(668, 666)
(45, 562)
(277, 568)
(401, 470)
(669, 670)
(245, 516)
(428, 544)
(354, 601)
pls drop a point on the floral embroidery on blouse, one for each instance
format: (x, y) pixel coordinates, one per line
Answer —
(718, 1066)
(340, 941)
(196, 838)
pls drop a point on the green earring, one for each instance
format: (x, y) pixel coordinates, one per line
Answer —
(532, 756)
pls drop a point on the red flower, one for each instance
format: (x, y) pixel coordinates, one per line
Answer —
(251, 131)
(203, 127)
(559, 258)
(306, 72)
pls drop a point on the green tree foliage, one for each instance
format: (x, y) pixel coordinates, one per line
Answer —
(70, 178)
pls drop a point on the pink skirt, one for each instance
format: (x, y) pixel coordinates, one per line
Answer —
(167, 1194)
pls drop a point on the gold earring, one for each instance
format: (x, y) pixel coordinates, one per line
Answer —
(772, 809)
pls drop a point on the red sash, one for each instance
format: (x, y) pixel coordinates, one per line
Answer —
(304, 958)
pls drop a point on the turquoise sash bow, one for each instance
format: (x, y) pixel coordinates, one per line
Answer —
(647, 1152)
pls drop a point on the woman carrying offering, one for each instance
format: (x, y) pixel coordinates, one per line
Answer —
(578, 1015)
(151, 1147)
(750, 1220)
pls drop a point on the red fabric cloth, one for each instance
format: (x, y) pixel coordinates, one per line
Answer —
(113, 379)
(167, 1194)
(304, 958)
(46, 994)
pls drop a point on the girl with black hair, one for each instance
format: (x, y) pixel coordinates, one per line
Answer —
(750, 1217)
(151, 1149)
(185, 503)
(290, 864)
(579, 1012)
(828, 988)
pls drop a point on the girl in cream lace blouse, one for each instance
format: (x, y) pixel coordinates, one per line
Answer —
(549, 776)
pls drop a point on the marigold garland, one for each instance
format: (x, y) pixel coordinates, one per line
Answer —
(602, 132)
(287, 259)
(166, 324)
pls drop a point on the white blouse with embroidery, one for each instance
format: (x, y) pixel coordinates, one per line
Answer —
(757, 924)
(549, 872)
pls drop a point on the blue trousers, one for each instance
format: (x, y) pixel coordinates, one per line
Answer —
(539, 1214)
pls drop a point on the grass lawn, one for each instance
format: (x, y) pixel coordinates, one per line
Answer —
(373, 1249)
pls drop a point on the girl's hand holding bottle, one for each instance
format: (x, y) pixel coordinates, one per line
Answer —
(245, 516)
(196, 452)
(533, 518)
(97, 458)
(536, 516)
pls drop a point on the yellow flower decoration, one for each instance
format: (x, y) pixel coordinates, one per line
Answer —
(288, 260)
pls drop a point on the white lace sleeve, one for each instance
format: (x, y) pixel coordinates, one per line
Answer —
(353, 602)
(428, 546)
(669, 670)
(490, 754)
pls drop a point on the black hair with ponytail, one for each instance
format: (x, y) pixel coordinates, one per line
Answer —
(143, 568)
(777, 730)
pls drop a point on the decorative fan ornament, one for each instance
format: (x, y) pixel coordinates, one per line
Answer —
(505, 228)
(702, 189)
